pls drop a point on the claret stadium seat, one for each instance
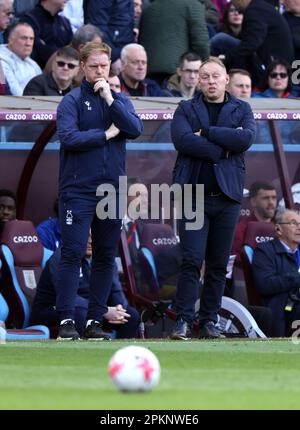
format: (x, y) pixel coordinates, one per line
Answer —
(23, 258)
(256, 233)
(36, 332)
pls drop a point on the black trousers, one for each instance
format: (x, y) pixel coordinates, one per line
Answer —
(211, 243)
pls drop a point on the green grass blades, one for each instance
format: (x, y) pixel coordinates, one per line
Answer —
(228, 374)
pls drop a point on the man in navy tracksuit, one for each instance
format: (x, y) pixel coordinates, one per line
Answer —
(211, 132)
(92, 125)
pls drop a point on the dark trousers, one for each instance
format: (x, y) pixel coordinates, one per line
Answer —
(211, 243)
(77, 217)
(48, 316)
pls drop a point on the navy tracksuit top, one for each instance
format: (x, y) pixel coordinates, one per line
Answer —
(87, 159)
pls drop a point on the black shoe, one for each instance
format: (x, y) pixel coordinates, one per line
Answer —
(94, 332)
(67, 331)
(182, 331)
(210, 331)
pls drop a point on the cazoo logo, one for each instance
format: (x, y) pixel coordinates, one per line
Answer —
(25, 239)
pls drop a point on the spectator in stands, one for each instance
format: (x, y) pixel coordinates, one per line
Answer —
(265, 35)
(6, 14)
(138, 7)
(239, 83)
(116, 21)
(119, 315)
(114, 82)
(292, 16)
(49, 231)
(17, 65)
(73, 10)
(185, 82)
(229, 32)
(277, 82)
(276, 268)
(21, 6)
(162, 39)
(263, 201)
(52, 31)
(8, 207)
(86, 33)
(58, 82)
(134, 70)
(3, 85)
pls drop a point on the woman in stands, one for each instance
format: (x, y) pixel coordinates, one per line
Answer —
(278, 81)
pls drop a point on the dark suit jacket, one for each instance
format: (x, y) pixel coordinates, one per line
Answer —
(224, 147)
(275, 273)
(264, 32)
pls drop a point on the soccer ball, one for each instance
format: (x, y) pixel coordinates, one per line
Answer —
(134, 368)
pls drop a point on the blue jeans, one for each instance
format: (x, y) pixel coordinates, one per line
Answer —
(211, 243)
(222, 43)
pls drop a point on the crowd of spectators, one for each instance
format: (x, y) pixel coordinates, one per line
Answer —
(149, 39)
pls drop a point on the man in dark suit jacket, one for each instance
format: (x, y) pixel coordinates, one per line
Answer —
(276, 269)
(211, 132)
(265, 35)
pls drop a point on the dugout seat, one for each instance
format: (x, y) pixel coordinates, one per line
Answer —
(256, 233)
(23, 258)
(160, 260)
(36, 332)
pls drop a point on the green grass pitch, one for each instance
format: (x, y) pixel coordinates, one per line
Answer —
(227, 374)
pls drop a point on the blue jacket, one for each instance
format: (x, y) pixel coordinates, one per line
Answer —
(224, 146)
(275, 273)
(49, 233)
(87, 159)
(115, 19)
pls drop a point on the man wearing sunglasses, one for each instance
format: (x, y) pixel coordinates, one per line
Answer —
(276, 269)
(58, 82)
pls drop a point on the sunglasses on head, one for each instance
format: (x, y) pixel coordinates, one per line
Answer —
(281, 75)
(63, 63)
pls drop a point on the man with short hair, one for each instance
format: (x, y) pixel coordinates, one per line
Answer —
(6, 14)
(114, 82)
(185, 82)
(8, 207)
(239, 84)
(133, 73)
(52, 31)
(263, 201)
(92, 125)
(276, 270)
(211, 132)
(58, 82)
(86, 33)
(18, 67)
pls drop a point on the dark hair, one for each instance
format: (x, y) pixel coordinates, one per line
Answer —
(7, 193)
(260, 185)
(69, 52)
(271, 66)
(225, 26)
(189, 56)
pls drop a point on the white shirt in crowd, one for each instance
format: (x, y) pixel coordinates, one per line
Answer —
(73, 10)
(17, 71)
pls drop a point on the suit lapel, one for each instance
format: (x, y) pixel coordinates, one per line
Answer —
(201, 111)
